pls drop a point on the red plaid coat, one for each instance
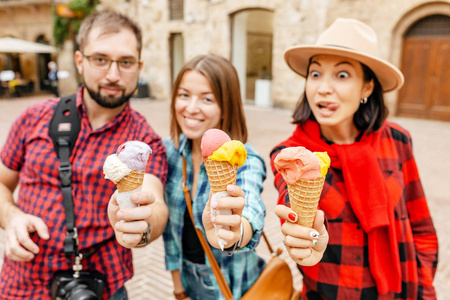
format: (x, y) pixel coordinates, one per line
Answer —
(344, 272)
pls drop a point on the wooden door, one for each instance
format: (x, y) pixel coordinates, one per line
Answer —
(426, 67)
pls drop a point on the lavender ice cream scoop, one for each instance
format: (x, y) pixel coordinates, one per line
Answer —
(134, 154)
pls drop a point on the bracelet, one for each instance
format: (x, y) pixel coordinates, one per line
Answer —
(236, 245)
(180, 295)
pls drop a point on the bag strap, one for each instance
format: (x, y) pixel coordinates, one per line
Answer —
(212, 260)
(273, 253)
(63, 129)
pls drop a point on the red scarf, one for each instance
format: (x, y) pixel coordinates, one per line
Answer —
(368, 196)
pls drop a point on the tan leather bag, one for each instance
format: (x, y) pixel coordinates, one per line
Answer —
(274, 282)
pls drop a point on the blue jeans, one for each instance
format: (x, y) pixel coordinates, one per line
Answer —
(120, 294)
(197, 281)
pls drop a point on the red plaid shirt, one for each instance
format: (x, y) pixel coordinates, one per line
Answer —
(344, 272)
(29, 149)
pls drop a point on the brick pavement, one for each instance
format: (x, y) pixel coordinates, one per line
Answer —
(267, 127)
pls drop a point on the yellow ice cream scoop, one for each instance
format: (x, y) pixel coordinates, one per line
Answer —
(232, 152)
(325, 162)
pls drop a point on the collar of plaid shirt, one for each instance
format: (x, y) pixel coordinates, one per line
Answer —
(368, 195)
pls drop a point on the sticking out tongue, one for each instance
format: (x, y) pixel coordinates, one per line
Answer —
(329, 106)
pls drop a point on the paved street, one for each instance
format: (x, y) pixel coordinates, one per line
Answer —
(267, 127)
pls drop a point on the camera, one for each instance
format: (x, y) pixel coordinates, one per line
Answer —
(90, 285)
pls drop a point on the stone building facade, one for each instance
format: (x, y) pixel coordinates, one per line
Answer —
(29, 20)
(254, 34)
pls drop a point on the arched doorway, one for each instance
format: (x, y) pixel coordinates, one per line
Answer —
(176, 48)
(252, 35)
(425, 64)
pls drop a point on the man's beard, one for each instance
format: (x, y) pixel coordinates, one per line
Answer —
(109, 101)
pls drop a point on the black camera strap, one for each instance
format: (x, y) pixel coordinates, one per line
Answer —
(63, 129)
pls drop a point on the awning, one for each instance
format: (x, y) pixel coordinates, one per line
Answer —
(13, 45)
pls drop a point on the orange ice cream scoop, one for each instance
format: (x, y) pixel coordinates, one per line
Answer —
(297, 163)
(233, 152)
(324, 161)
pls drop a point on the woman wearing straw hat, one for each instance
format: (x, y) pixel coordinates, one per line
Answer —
(382, 242)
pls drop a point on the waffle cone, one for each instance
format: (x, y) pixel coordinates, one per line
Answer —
(220, 174)
(130, 182)
(304, 197)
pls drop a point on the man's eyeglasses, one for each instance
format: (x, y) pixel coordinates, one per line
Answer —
(127, 65)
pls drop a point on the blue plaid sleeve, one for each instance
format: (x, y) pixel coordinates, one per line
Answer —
(250, 178)
(174, 198)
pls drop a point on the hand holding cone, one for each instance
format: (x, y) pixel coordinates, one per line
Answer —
(222, 157)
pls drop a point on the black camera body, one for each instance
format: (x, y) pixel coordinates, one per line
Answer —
(89, 285)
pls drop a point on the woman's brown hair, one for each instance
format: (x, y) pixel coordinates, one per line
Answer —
(224, 81)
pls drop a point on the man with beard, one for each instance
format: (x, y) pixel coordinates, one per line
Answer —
(109, 62)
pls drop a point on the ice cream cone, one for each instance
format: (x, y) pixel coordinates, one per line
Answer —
(220, 174)
(130, 182)
(304, 196)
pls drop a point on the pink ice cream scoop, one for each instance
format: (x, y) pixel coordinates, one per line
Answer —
(212, 139)
(297, 163)
(134, 154)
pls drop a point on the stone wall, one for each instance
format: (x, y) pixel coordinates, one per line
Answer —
(206, 28)
(26, 20)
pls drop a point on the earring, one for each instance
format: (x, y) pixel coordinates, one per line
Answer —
(363, 101)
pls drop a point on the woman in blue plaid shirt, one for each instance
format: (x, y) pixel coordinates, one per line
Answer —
(207, 95)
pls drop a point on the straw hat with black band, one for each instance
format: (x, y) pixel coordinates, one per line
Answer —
(347, 38)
